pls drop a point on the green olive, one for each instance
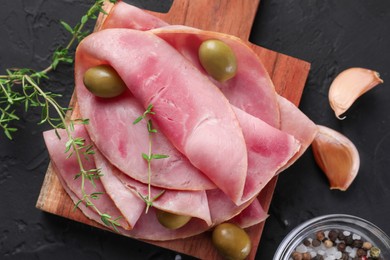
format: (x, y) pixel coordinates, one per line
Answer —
(231, 241)
(103, 81)
(171, 220)
(218, 59)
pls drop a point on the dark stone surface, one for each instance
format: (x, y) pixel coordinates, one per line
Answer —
(333, 35)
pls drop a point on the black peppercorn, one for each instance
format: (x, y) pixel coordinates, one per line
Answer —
(341, 246)
(344, 256)
(340, 241)
(361, 252)
(307, 242)
(316, 243)
(341, 236)
(358, 243)
(348, 240)
(333, 234)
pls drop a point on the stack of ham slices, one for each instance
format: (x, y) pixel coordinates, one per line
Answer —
(225, 140)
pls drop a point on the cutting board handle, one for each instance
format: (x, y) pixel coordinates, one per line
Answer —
(228, 16)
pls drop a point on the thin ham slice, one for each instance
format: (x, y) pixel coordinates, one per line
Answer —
(68, 168)
(147, 227)
(222, 209)
(188, 203)
(123, 143)
(251, 89)
(190, 110)
(269, 149)
(129, 203)
(296, 123)
(186, 41)
(123, 15)
(251, 215)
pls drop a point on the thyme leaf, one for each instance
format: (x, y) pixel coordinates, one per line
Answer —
(148, 111)
(148, 199)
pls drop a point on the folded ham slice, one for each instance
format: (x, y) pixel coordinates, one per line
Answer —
(190, 110)
(269, 149)
(221, 137)
(296, 123)
(122, 143)
(186, 40)
(123, 15)
(147, 227)
(68, 168)
(120, 197)
(222, 209)
(188, 203)
(251, 215)
(251, 89)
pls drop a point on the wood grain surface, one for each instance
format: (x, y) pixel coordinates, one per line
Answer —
(288, 74)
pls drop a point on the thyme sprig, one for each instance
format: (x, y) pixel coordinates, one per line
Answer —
(21, 87)
(148, 199)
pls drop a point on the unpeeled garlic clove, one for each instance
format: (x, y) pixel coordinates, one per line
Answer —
(337, 157)
(348, 86)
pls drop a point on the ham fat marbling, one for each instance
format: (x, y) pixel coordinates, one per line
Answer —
(225, 141)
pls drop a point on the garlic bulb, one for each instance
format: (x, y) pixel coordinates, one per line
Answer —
(337, 156)
(348, 86)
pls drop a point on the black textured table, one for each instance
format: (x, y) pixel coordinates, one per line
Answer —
(331, 35)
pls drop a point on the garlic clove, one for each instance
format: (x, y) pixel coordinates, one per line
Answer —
(348, 86)
(337, 157)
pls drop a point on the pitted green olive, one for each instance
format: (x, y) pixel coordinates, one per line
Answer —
(218, 59)
(171, 220)
(103, 81)
(231, 241)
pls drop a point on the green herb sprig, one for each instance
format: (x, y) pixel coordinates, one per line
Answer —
(21, 87)
(148, 199)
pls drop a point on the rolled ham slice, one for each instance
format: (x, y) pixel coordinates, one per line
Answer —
(190, 110)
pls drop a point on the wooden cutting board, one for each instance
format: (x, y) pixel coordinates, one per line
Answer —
(288, 74)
